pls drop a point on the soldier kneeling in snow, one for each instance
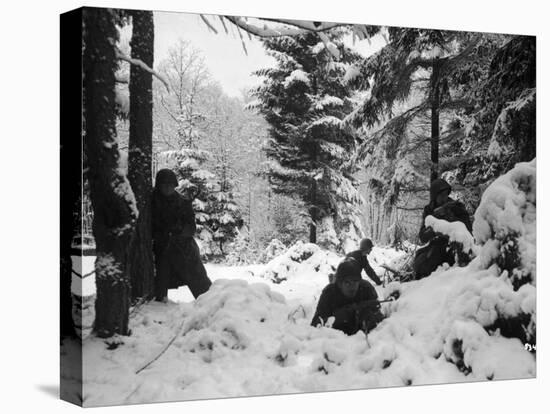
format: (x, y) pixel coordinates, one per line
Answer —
(177, 256)
(438, 250)
(351, 300)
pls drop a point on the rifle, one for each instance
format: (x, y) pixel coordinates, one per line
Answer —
(368, 315)
(370, 304)
(399, 275)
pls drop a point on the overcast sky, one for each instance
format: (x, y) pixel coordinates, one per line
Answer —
(224, 54)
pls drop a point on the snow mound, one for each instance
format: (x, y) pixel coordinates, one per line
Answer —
(505, 223)
(273, 249)
(452, 318)
(242, 339)
(308, 263)
(301, 260)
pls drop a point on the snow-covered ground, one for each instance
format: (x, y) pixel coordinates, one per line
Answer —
(250, 334)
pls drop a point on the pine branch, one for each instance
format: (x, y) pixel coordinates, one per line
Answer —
(301, 27)
(223, 24)
(207, 23)
(462, 56)
(242, 40)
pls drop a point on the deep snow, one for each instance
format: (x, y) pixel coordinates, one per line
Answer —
(250, 334)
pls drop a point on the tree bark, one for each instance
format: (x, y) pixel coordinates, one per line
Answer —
(435, 101)
(112, 199)
(140, 153)
(313, 213)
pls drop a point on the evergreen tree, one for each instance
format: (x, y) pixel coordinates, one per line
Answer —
(304, 98)
(418, 62)
(225, 218)
(500, 130)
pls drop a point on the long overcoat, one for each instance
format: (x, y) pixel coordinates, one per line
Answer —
(177, 255)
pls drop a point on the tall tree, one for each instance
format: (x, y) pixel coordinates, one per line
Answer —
(304, 98)
(113, 202)
(140, 152)
(420, 61)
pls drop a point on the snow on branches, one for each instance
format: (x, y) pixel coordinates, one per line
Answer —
(505, 222)
(296, 76)
(456, 231)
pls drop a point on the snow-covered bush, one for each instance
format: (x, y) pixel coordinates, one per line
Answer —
(301, 260)
(242, 250)
(456, 231)
(505, 223)
(273, 249)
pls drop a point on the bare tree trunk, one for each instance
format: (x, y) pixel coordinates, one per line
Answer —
(249, 209)
(380, 220)
(435, 98)
(371, 219)
(378, 226)
(112, 199)
(140, 153)
(313, 213)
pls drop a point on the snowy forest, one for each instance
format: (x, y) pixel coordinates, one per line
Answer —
(329, 147)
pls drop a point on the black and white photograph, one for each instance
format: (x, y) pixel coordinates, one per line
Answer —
(257, 206)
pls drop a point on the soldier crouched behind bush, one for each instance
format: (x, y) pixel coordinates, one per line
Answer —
(438, 250)
(351, 300)
(177, 256)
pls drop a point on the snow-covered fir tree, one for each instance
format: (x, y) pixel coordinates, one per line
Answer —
(304, 98)
(225, 217)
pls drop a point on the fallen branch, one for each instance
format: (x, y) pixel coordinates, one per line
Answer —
(178, 332)
(141, 64)
(137, 306)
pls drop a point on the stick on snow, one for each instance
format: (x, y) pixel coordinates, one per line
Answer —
(163, 349)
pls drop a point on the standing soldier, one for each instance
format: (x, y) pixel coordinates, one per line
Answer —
(437, 251)
(177, 256)
(365, 247)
